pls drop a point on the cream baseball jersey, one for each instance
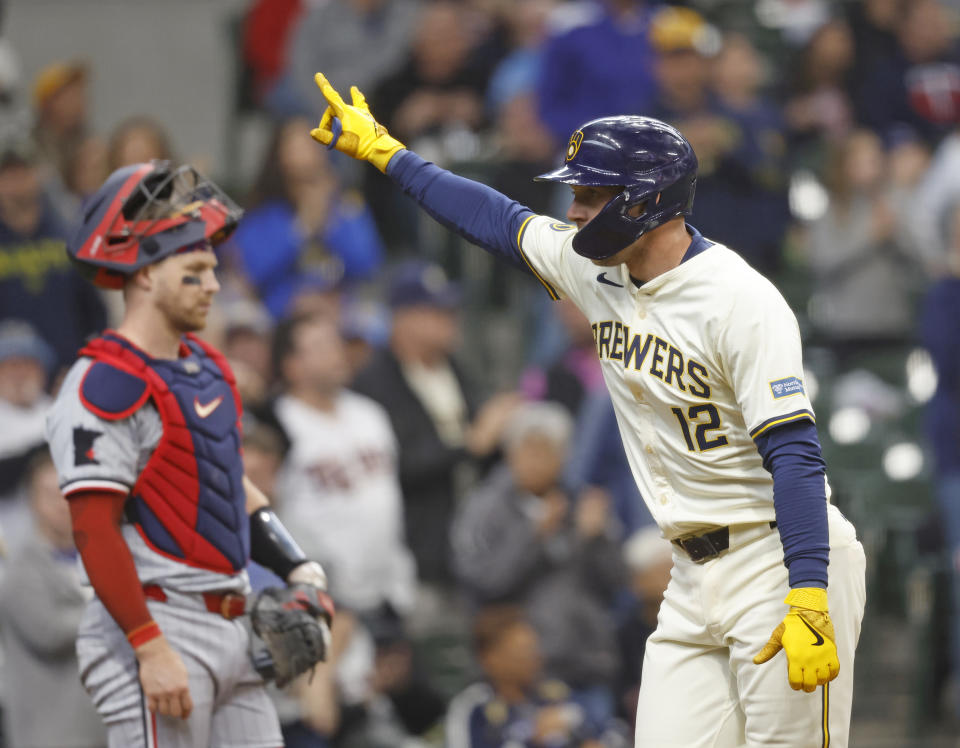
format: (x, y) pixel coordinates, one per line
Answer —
(699, 361)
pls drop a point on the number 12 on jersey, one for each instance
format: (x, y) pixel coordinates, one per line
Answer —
(703, 427)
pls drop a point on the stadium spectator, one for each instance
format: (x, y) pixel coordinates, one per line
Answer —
(397, 703)
(341, 493)
(85, 169)
(357, 42)
(267, 30)
(25, 363)
(818, 109)
(574, 373)
(940, 334)
(247, 335)
(928, 213)
(598, 462)
(523, 147)
(919, 86)
(435, 414)
(37, 283)
(365, 327)
(597, 62)
(516, 703)
(439, 85)
(60, 109)
(873, 24)
(518, 538)
(863, 279)
(136, 140)
(648, 558)
(41, 604)
(737, 135)
(301, 219)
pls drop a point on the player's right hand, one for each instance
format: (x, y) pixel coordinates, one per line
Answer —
(164, 679)
(806, 635)
(351, 129)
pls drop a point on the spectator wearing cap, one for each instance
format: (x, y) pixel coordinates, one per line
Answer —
(42, 602)
(25, 363)
(709, 91)
(365, 327)
(60, 111)
(302, 221)
(435, 413)
(37, 283)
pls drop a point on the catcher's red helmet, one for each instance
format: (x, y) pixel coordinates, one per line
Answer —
(143, 213)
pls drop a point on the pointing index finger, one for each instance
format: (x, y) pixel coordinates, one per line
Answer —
(330, 93)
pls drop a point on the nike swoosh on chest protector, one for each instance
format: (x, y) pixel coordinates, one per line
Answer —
(205, 410)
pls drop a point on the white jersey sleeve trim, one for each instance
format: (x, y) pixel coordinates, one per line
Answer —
(94, 484)
(550, 289)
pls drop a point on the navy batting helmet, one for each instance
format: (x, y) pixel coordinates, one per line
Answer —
(144, 213)
(649, 159)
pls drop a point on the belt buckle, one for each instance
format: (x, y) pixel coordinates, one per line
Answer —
(232, 605)
(701, 549)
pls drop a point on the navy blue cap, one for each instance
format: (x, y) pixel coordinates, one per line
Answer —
(18, 339)
(418, 283)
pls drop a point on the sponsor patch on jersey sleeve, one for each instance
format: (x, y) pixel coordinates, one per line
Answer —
(787, 387)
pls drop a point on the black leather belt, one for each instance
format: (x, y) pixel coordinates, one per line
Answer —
(701, 548)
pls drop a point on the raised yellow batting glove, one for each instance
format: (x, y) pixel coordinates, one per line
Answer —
(806, 635)
(351, 129)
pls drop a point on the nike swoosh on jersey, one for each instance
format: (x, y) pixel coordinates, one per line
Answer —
(813, 631)
(205, 410)
(603, 279)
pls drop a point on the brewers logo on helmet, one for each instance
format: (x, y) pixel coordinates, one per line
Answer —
(649, 159)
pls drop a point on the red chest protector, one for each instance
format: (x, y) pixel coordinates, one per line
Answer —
(188, 502)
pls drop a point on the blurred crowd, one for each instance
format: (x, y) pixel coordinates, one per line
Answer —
(495, 568)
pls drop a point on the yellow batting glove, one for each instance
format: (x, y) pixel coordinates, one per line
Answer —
(351, 129)
(807, 636)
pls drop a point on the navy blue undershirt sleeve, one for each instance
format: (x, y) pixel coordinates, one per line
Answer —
(791, 454)
(476, 212)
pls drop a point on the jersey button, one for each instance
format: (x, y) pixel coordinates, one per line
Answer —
(649, 449)
(642, 314)
(663, 499)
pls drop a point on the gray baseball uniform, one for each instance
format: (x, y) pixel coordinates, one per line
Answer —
(231, 707)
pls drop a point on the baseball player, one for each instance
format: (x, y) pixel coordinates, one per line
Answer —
(702, 358)
(146, 440)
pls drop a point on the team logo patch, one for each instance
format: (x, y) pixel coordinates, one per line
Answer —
(575, 140)
(83, 440)
(786, 387)
(562, 226)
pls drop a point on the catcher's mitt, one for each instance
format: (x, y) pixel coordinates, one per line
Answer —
(294, 623)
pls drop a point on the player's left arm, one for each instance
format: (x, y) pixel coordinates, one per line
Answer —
(476, 212)
(273, 547)
(761, 347)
